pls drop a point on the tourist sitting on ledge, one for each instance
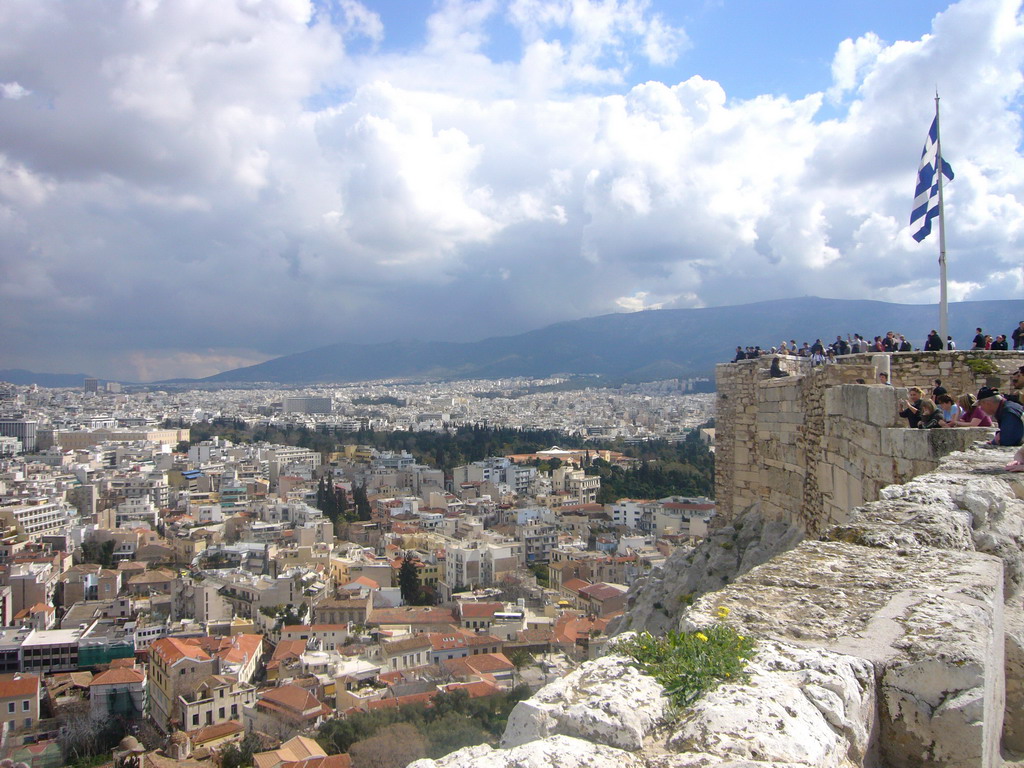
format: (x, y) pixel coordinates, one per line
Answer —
(1008, 416)
(775, 371)
(930, 418)
(909, 408)
(948, 409)
(971, 413)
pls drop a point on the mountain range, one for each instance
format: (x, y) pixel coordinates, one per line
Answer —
(638, 346)
(648, 345)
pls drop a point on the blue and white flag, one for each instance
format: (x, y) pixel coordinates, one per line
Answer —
(926, 197)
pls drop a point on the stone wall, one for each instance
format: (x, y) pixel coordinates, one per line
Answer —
(815, 445)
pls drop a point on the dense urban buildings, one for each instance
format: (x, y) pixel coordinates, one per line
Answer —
(195, 566)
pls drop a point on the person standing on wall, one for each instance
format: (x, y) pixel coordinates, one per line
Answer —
(1018, 336)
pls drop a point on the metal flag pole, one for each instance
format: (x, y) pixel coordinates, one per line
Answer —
(939, 168)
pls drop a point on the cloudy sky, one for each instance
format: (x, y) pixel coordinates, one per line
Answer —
(189, 186)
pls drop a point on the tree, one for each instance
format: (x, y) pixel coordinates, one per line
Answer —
(453, 731)
(409, 581)
(362, 502)
(95, 552)
(240, 754)
(392, 747)
(82, 735)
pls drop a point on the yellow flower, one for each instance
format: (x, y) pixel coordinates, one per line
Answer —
(740, 637)
(702, 637)
(723, 612)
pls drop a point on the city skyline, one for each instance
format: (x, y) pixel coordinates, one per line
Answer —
(189, 189)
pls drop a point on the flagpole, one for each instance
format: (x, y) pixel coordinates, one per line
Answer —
(940, 167)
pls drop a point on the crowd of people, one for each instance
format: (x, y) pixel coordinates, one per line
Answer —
(853, 344)
(989, 408)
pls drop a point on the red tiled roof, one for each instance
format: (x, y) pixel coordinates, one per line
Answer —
(288, 649)
(603, 591)
(479, 610)
(18, 684)
(476, 689)
(118, 677)
(575, 585)
(291, 697)
(569, 628)
(214, 732)
(402, 701)
(330, 761)
(174, 649)
(490, 663)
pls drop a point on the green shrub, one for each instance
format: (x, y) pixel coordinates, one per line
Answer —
(689, 663)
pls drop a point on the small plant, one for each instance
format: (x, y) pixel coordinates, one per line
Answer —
(980, 365)
(688, 664)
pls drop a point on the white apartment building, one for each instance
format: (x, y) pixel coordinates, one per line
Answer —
(496, 469)
(39, 517)
(576, 483)
(137, 510)
(473, 564)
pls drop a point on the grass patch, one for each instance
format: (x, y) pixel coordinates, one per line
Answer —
(688, 664)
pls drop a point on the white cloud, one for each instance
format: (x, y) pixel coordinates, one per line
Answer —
(853, 58)
(232, 173)
(637, 302)
(13, 91)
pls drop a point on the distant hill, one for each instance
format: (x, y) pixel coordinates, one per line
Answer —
(654, 344)
(24, 378)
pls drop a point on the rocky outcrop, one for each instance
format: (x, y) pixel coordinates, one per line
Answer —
(897, 640)
(654, 603)
(553, 752)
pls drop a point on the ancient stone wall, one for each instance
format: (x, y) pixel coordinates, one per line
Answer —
(814, 445)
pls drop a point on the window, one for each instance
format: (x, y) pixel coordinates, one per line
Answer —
(195, 719)
(24, 706)
(220, 713)
(10, 706)
(28, 722)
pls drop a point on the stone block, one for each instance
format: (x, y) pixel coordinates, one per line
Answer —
(883, 406)
(928, 620)
(607, 701)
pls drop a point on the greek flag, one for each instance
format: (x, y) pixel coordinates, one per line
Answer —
(926, 197)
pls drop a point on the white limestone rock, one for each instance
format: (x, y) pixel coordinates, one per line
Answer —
(704, 760)
(800, 706)
(553, 752)
(608, 701)
(929, 620)
(1013, 724)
